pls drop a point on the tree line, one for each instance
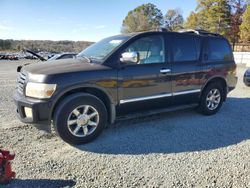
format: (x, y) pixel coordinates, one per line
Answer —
(230, 18)
(43, 45)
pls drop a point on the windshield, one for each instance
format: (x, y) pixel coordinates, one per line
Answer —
(103, 48)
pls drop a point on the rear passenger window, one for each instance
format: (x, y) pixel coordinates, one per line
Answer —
(186, 48)
(219, 50)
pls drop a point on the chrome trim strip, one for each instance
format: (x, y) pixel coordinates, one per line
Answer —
(165, 70)
(186, 92)
(145, 98)
(159, 96)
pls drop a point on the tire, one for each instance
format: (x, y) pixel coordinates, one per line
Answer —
(211, 105)
(74, 125)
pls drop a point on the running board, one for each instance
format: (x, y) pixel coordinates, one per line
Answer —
(154, 112)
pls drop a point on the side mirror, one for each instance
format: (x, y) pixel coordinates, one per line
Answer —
(130, 57)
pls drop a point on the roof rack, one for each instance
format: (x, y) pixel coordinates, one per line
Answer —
(198, 32)
(161, 29)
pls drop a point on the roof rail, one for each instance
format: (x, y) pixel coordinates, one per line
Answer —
(162, 29)
(198, 32)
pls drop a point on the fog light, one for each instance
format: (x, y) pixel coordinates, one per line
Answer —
(28, 112)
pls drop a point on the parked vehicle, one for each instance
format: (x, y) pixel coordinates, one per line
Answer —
(8, 57)
(247, 77)
(126, 75)
(41, 58)
(62, 56)
(53, 57)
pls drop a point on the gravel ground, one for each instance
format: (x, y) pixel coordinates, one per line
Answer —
(177, 149)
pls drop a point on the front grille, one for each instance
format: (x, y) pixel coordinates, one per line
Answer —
(21, 81)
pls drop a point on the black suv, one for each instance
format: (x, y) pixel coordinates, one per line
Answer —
(125, 75)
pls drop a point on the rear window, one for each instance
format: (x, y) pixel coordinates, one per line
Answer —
(186, 48)
(219, 50)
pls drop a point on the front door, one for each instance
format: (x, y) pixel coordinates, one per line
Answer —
(144, 84)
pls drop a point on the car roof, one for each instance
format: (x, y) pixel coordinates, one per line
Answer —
(196, 33)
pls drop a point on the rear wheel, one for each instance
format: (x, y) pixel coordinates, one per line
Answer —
(211, 99)
(80, 118)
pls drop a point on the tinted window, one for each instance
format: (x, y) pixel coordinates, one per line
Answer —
(186, 48)
(219, 50)
(150, 49)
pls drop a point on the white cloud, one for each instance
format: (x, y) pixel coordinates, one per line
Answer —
(62, 18)
(5, 27)
(100, 26)
(40, 20)
(79, 29)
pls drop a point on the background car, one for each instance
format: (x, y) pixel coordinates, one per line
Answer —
(247, 77)
(62, 56)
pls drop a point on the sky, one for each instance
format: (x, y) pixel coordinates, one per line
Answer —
(78, 20)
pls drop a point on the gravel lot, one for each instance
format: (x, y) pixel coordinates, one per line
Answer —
(177, 149)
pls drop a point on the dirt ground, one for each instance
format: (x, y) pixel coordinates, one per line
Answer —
(177, 149)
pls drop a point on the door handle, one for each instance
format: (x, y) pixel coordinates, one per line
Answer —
(163, 70)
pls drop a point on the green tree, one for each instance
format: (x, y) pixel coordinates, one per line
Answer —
(245, 26)
(173, 20)
(143, 18)
(211, 15)
(238, 7)
(193, 21)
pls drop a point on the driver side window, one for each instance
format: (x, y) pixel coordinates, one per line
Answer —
(150, 49)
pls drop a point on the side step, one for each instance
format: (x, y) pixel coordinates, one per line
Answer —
(154, 112)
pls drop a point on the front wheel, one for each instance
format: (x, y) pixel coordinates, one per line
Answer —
(211, 99)
(80, 118)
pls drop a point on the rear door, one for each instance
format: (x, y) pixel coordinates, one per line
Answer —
(187, 69)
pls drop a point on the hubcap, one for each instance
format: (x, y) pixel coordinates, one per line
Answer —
(213, 99)
(83, 120)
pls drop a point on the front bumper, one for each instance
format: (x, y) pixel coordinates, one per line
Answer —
(41, 110)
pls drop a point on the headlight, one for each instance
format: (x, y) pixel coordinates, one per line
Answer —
(39, 90)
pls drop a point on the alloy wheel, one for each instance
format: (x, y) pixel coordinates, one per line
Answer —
(213, 99)
(83, 120)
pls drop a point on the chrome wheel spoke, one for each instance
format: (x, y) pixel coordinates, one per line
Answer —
(212, 105)
(76, 130)
(86, 109)
(76, 112)
(217, 96)
(92, 123)
(209, 104)
(85, 130)
(72, 122)
(217, 101)
(92, 115)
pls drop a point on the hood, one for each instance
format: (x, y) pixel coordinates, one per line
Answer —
(62, 66)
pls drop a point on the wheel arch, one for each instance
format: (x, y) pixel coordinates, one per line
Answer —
(97, 92)
(217, 79)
